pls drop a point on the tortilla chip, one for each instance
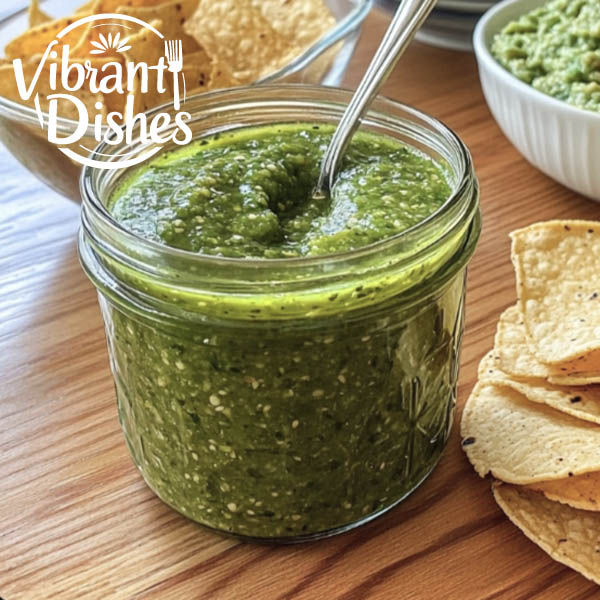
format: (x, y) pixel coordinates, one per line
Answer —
(300, 21)
(197, 68)
(221, 77)
(580, 402)
(570, 536)
(558, 284)
(89, 6)
(91, 34)
(236, 33)
(522, 442)
(172, 15)
(8, 89)
(36, 40)
(511, 348)
(111, 6)
(587, 364)
(576, 379)
(514, 355)
(95, 61)
(579, 491)
(36, 15)
(245, 39)
(113, 101)
(147, 47)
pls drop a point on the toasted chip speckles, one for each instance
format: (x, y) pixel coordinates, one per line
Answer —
(236, 33)
(172, 16)
(302, 21)
(579, 491)
(558, 284)
(146, 46)
(519, 441)
(225, 43)
(570, 536)
(197, 69)
(576, 379)
(515, 355)
(581, 402)
(35, 41)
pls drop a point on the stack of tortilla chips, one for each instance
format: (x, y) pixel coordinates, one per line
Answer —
(533, 419)
(225, 43)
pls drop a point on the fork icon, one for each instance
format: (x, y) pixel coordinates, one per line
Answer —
(174, 56)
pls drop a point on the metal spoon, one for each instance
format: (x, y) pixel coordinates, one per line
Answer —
(406, 22)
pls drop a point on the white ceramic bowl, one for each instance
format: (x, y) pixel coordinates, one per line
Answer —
(559, 139)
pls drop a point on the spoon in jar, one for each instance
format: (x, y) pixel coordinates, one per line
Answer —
(406, 22)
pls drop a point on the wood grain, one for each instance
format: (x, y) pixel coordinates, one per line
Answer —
(78, 523)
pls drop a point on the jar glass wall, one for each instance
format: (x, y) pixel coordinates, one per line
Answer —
(287, 399)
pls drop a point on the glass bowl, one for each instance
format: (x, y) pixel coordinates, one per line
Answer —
(324, 62)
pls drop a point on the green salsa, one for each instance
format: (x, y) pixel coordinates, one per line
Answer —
(249, 193)
(305, 423)
(556, 49)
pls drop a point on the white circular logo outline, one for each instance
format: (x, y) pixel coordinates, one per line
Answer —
(87, 161)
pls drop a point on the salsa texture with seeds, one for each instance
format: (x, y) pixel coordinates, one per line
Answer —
(309, 423)
(249, 193)
(280, 432)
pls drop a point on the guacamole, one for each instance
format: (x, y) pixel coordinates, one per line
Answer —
(249, 193)
(556, 49)
(281, 417)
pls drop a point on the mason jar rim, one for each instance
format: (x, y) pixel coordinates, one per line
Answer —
(210, 101)
(167, 280)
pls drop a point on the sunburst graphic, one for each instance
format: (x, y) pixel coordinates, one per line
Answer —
(110, 43)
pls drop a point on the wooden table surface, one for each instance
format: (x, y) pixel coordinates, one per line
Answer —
(77, 521)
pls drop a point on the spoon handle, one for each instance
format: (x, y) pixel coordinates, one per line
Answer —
(408, 19)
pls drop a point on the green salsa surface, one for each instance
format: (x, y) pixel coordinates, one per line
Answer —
(296, 427)
(556, 49)
(249, 193)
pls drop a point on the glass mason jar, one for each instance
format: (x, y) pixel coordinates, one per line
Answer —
(286, 399)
